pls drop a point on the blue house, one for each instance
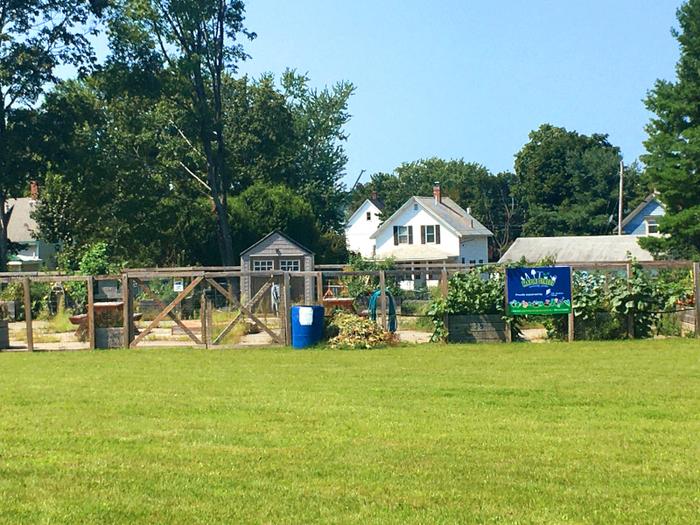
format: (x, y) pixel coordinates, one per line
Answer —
(643, 219)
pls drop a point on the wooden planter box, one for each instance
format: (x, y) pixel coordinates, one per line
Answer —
(4, 335)
(108, 338)
(484, 328)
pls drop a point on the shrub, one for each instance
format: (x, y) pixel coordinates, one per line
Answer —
(355, 332)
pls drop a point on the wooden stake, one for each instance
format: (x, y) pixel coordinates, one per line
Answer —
(696, 287)
(382, 299)
(509, 329)
(571, 314)
(26, 283)
(90, 283)
(630, 317)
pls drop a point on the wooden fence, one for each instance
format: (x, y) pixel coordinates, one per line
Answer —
(206, 280)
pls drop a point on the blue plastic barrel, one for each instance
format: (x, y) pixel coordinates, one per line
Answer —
(307, 325)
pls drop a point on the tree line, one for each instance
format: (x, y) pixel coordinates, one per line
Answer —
(166, 154)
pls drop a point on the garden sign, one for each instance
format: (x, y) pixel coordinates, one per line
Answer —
(538, 291)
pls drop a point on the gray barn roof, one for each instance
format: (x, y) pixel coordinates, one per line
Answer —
(595, 248)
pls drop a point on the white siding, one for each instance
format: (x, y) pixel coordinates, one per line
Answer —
(448, 247)
(359, 229)
(474, 250)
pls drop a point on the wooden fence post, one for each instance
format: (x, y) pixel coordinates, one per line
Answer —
(319, 288)
(444, 292)
(630, 317)
(90, 283)
(571, 314)
(287, 300)
(126, 311)
(203, 316)
(696, 288)
(26, 283)
(382, 299)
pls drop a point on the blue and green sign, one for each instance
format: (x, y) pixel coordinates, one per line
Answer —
(539, 291)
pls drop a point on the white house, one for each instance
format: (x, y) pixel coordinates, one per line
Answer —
(432, 229)
(362, 224)
(33, 254)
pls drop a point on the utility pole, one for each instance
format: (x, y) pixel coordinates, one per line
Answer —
(619, 204)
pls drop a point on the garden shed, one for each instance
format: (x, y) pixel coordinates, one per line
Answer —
(277, 252)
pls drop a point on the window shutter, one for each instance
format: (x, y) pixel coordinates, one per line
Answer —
(422, 234)
(437, 234)
(396, 235)
(410, 235)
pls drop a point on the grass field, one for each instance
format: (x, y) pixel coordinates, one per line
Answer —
(553, 433)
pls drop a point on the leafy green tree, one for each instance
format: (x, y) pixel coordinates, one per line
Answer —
(36, 36)
(673, 143)
(567, 183)
(199, 40)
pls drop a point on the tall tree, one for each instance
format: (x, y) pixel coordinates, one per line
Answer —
(567, 183)
(200, 42)
(36, 36)
(673, 145)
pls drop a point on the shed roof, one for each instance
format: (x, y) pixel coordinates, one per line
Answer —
(595, 248)
(280, 234)
(22, 228)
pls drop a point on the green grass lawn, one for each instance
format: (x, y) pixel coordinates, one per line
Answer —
(550, 433)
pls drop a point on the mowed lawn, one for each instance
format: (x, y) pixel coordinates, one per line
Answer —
(550, 433)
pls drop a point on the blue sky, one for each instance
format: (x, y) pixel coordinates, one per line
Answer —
(470, 79)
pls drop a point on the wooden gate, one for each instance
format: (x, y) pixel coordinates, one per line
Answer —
(206, 281)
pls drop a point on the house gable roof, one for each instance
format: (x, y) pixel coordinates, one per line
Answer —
(376, 203)
(648, 199)
(280, 234)
(21, 227)
(448, 212)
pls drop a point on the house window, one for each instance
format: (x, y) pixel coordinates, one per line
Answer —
(262, 266)
(430, 233)
(289, 265)
(472, 262)
(369, 215)
(415, 207)
(402, 234)
(481, 261)
(652, 225)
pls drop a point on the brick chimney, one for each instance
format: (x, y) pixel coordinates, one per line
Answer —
(34, 190)
(437, 193)
(374, 195)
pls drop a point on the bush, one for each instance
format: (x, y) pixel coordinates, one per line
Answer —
(476, 291)
(355, 332)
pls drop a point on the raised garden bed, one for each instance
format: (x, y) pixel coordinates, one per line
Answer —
(483, 328)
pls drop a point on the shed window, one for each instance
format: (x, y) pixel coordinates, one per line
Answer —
(262, 266)
(289, 265)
